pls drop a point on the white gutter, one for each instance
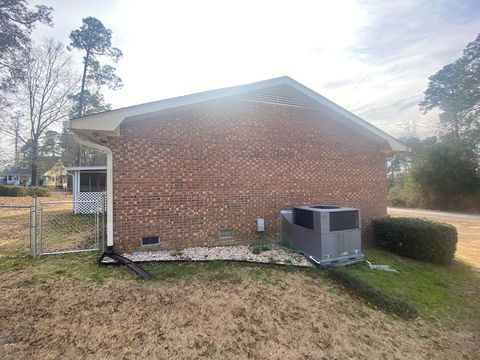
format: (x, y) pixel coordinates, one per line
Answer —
(108, 151)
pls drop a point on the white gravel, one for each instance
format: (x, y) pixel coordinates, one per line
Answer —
(275, 255)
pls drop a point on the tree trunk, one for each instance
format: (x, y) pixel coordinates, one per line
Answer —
(81, 107)
(17, 140)
(34, 162)
(17, 153)
(78, 154)
(81, 104)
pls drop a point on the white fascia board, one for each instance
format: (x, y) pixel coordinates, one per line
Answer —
(110, 121)
(395, 145)
(86, 168)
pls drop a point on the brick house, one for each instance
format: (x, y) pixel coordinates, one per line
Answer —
(187, 168)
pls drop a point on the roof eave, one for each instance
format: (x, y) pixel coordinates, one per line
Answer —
(108, 123)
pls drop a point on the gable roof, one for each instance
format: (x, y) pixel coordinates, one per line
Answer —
(109, 122)
(20, 171)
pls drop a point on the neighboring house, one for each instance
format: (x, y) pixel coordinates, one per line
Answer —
(19, 176)
(193, 168)
(22, 173)
(88, 186)
(56, 176)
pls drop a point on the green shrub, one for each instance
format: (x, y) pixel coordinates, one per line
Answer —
(404, 192)
(396, 198)
(419, 239)
(373, 295)
(9, 190)
(16, 191)
(39, 191)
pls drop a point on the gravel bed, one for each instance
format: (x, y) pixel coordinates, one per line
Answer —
(275, 255)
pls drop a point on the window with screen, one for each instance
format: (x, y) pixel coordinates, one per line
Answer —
(92, 182)
(85, 182)
(343, 220)
(101, 182)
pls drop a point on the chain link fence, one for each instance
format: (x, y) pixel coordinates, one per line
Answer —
(15, 230)
(65, 229)
(52, 227)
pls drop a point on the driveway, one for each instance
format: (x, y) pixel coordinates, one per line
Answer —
(468, 227)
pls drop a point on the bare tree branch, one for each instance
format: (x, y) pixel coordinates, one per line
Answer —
(44, 93)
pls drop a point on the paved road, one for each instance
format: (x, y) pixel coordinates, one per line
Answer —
(468, 227)
(436, 213)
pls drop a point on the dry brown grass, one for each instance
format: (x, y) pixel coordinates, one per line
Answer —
(468, 247)
(68, 308)
(259, 313)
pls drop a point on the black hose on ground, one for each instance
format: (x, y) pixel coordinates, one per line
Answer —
(125, 261)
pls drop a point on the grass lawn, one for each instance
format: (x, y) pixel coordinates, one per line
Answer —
(446, 296)
(69, 307)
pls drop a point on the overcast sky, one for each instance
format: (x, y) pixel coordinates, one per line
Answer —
(371, 57)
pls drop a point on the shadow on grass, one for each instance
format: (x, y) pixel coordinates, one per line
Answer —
(445, 295)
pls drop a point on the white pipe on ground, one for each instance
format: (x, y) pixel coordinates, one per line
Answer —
(109, 153)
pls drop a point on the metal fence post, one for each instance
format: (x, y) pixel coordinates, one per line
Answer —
(104, 241)
(97, 225)
(33, 226)
(40, 210)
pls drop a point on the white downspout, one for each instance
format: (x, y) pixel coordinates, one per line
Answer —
(109, 153)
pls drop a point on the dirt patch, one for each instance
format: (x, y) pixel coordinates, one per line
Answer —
(283, 315)
(468, 247)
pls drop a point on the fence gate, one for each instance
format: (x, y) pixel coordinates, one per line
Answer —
(17, 224)
(70, 226)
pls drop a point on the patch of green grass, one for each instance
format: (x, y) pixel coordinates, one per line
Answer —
(448, 296)
(272, 260)
(10, 264)
(373, 295)
(81, 266)
(216, 271)
(259, 248)
(84, 267)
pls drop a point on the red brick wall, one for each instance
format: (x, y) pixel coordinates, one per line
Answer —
(186, 175)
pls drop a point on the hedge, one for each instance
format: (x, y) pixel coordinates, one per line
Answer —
(419, 239)
(374, 296)
(16, 191)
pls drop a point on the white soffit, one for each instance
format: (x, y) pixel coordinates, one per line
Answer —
(86, 168)
(109, 121)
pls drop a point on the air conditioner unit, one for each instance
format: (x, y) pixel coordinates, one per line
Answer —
(327, 234)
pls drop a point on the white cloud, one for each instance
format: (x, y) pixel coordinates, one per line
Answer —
(373, 57)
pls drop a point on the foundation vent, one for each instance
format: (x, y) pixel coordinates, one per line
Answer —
(225, 234)
(151, 240)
